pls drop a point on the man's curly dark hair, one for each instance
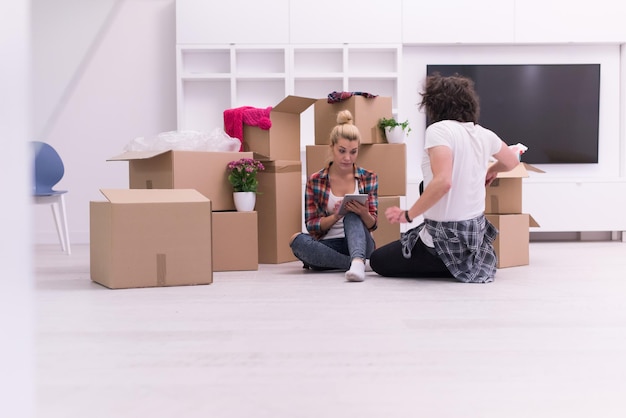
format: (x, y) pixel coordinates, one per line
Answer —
(450, 98)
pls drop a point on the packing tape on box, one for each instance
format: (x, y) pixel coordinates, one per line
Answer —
(161, 271)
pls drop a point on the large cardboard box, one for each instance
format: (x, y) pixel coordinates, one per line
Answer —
(504, 195)
(235, 241)
(366, 113)
(512, 243)
(204, 171)
(147, 238)
(386, 231)
(282, 140)
(279, 205)
(386, 160)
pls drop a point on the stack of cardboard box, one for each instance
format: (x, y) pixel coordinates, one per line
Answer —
(503, 208)
(279, 202)
(375, 154)
(155, 178)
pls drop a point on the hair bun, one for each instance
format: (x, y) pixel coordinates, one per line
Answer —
(344, 117)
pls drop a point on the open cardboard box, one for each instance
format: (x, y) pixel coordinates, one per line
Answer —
(366, 113)
(504, 195)
(204, 171)
(282, 140)
(148, 238)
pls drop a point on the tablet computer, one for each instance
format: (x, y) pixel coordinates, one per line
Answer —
(359, 197)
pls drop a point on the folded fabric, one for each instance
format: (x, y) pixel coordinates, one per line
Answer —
(337, 96)
(251, 116)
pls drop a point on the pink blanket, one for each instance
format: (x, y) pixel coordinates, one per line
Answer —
(251, 116)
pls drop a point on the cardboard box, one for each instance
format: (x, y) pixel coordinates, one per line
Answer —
(279, 205)
(235, 241)
(386, 232)
(147, 238)
(282, 140)
(504, 195)
(204, 171)
(366, 113)
(512, 243)
(386, 160)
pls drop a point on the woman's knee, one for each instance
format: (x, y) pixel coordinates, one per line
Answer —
(293, 237)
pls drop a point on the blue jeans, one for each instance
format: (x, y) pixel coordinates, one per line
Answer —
(335, 253)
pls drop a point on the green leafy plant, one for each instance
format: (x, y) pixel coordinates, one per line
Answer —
(392, 123)
(242, 174)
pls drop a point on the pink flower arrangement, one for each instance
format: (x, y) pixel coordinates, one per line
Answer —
(242, 174)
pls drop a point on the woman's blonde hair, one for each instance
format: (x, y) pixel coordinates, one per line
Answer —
(345, 128)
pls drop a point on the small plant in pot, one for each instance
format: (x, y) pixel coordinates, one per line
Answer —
(242, 175)
(395, 131)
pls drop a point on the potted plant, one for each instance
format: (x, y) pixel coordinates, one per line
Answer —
(392, 134)
(242, 175)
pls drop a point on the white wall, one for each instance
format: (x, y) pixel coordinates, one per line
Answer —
(64, 33)
(123, 86)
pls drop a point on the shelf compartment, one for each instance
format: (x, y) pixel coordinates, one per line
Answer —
(368, 60)
(199, 113)
(260, 61)
(199, 61)
(317, 89)
(259, 93)
(317, 61)
(375, 86)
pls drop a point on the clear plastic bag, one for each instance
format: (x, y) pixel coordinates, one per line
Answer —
(187, 140)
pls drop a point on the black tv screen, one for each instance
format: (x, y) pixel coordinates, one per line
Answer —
(552, 109)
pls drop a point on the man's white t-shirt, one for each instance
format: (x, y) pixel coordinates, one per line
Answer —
(472, 146)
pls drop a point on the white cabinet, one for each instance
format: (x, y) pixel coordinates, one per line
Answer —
(213, 78)
(561, 205)
(320, 70)
(558, 21)
(482, 21)
(233, 21)
(345, 21)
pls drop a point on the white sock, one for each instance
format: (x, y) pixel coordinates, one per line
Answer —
(356, 272)
(367, 265)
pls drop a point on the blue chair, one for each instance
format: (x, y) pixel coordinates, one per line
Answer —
(48, 171)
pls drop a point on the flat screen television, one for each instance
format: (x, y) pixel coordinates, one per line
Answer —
(553, 109)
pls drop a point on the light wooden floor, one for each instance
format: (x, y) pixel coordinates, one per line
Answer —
(544, 340)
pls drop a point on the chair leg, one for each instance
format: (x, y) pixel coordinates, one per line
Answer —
(57, 223)
(60, 222)
(66, 232)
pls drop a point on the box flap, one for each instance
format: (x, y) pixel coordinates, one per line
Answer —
(533, 168)
(518, 172)
(282, 166)
(153, 195)
(293, 104)
(137, 155)
(521, 170)
(532, 222)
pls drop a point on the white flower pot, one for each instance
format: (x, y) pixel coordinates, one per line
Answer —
(395, 135)
(244, 201)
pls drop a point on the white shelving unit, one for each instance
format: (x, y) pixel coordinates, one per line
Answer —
(213, 78)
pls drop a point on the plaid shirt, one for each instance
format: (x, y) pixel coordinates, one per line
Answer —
(465, 247)
(318, 190)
